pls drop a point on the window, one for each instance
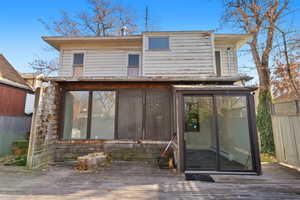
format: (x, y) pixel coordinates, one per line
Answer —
(103, 115)
(76, 115)
(78, 59)
(89, 115)
(78, 64)
(133, 64)
(218, 62)
(161, 43)
(133, 60)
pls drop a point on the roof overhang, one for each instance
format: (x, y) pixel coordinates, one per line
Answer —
(58, 41)
(15, 85)
(149, 79)
(238, 39)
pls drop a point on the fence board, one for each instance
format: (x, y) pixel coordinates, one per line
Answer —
(286, 130)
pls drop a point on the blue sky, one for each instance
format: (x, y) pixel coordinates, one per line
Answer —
(20, 30)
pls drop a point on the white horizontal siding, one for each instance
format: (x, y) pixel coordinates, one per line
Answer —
(97, 62)
(105, 63)
(66, 61)
(190, 54)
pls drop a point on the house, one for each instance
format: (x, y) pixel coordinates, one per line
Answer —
(14, 123)
(128, 95)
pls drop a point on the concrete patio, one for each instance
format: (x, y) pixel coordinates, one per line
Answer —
(132, 180)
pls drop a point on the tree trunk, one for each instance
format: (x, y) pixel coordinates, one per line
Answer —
(264, 119)
(264, 82)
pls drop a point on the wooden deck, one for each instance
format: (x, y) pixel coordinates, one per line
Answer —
(133, 180)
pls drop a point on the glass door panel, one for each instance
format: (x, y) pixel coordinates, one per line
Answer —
(200, 140)
(234, 140)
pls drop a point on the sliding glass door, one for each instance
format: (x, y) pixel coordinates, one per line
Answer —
(233, 130)
(200, 141)
(216, 133)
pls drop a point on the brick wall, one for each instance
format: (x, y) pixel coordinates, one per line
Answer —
(119, 150)
(43, 134)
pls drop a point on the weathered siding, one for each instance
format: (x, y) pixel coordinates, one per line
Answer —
(190, 54)
(12, 101)
(66, 61)
(97, 62)
(227, 68)
(105, 63)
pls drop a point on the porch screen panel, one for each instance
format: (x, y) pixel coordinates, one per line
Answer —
(130, 114)
(158, 114)
(75, 115)
(234, 139)
(103, 115)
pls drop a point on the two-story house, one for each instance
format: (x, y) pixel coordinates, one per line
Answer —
(127, 95)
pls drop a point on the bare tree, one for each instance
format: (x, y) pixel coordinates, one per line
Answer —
(286, 73)
(104, 17)
(259, 18)
(43, 66)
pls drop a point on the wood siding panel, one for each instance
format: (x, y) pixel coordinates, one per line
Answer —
(12, 101)
(190, 54)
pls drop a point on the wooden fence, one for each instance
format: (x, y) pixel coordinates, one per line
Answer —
(286, 130)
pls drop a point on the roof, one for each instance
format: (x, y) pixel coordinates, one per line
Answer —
(9, 76)
(148, 79)
(238, 39)
(57, 41)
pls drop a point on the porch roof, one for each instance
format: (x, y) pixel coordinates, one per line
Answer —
(235, 78)
(213, 87)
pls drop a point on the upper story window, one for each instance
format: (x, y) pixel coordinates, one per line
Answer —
(133, 64)
(133, 60)
(78, 59)
(158, 43)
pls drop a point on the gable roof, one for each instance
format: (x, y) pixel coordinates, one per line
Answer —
(10, 76)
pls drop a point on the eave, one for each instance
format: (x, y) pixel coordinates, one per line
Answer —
(149, 79)
(58, 41)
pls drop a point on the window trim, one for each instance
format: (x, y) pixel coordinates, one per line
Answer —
(150, 37)
(89, 121)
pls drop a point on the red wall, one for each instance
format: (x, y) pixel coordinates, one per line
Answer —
(12, 101)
